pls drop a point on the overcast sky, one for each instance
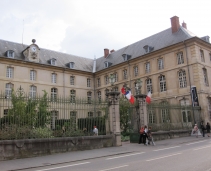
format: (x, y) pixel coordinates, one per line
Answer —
(85, 27)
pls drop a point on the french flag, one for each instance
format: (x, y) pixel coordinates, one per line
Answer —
(130, 97)
(148, 98)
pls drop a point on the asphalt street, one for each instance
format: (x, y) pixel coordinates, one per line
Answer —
(187, 153)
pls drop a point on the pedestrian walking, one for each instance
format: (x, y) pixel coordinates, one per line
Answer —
(208, 129)
(150, 138)
(141, 131)
(145, 135)
(203, 128)
(195, 130)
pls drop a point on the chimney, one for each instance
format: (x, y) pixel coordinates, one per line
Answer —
(106, 53)
(112, 51)
(184, 25)
(175, 24)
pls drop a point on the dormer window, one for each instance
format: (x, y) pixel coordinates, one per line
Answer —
(10, 54)
(107, 64)
(148, 48)
(71, 65)
(53, 61)
(126, 57)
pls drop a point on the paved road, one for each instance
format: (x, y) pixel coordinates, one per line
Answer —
(188, 153)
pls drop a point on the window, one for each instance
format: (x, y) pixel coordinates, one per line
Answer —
(115, 77)
(99, 96)
(10, 54)
(147, 67)
(115, 88)
(148, 48)
(106, 79)
(162, 83)
(106, 93)
(32, 91)
(9, 73)
(53, 61)
(165, 113)
(53, 94)
(126, 57)
(6, 112)
(182, 79)
(205, 77)
(151, 116)
(88, 82)
(99, 114)
(71, 65)
(98, 82)
(160, 64)
(180, 58)
(125, 74)
(72, 80)
(8, 89)
(149, 85)
(32, 75)
(202, 55)
(209, 107)
(73, 117)
(53, 78)
(72, 96)
(136, 71)
(106, 64)
(89, 97)
(90, 114)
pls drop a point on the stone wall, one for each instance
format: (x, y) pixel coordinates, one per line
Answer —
(14, 149)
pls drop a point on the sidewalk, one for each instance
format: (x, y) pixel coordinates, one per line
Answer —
(126, 147)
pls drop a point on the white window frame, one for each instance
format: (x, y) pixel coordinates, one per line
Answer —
(182, 79)
(89, 97)
(53, 62)
(54, 93)
(180, 58)
(125, 74)
(53, 78)
(136, 71)
(202, 55)
(147, 67)
(8, 89)
(151, 116)
(72, 96)
(162, 81)
(88, 82)
(10, 54)
(32, 91)
(206, 82)
(160, 64)
(72, 80)
(149, 85)
(98, 82)
(106, 79)
(115, 77)
(10, 71)
(32, 75)
(71, 65)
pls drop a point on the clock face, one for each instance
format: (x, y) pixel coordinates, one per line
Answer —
(33, 48)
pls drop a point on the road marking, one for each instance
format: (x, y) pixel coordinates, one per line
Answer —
(202, 148)
(163, 157)
(196, 142)
(124, 156)
(63, 166)
(114, 168)
(166, 148)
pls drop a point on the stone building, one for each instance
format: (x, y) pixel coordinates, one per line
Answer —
(173, 64)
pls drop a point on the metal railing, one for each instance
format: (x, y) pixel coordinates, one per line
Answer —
(23, 117)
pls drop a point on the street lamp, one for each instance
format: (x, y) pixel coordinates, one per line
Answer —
(138, 86)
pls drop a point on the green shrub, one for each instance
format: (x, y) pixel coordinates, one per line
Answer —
(42, 133)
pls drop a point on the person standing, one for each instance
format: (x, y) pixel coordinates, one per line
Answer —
(95, 130)
(145, 135)
(208, 129)
(141, 135)
(203, 128)
(150, 138)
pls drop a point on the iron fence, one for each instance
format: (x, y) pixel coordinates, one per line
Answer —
(25, 117)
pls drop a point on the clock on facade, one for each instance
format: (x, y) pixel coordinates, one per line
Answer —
(33, 48)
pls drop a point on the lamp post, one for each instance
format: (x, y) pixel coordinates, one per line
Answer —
(138, 86)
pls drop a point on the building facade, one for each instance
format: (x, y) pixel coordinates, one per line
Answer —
(174, 65)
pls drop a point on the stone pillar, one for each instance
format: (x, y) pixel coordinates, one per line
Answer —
(141, 99)
(114, 117)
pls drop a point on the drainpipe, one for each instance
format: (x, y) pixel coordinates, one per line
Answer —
(186, 54)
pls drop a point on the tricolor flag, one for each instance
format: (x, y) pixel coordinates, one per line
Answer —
(148, 98)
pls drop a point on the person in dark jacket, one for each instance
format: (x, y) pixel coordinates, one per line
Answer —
(141, 135)
(208, 129)
(203, 128)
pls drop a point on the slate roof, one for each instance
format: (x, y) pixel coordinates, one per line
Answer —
(158, 41)
(62, 59)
